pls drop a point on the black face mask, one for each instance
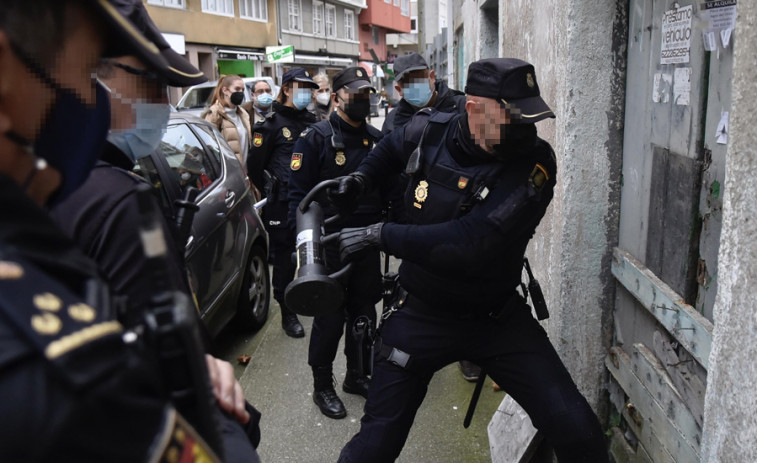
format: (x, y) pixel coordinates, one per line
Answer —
(357, 109)
(512, 136)
(236, 98)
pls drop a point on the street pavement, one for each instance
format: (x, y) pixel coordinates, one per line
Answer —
(278, 382)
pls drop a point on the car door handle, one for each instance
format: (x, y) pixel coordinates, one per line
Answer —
(230, 199)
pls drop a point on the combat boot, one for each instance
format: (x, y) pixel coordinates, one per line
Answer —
(355, 383)
(324, 394)
(291, 324)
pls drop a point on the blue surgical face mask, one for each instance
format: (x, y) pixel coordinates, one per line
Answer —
(417, 93)
(141, 140)
(265, 100)
(302, 98)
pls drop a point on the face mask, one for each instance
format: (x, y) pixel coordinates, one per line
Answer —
(323, 99)
(302, 98)
(264, 100)
(140, 141)
(417, 93)
(357, 109)
(236, 98)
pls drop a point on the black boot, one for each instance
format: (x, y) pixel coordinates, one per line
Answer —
(324, 394)
(290, 323)
(355, 383)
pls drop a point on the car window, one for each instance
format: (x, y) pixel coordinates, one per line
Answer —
(197, 98)
(186, 158)
(146, 169)
(211, 142)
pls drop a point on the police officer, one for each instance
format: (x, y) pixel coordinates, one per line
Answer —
(418, 88)
(331, 149)
(101, 214)
(480, 184)
(73, 385)
(269, 163)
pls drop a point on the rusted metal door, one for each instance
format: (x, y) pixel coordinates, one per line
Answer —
(677, 101)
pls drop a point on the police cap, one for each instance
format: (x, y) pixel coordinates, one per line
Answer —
(512, 82)
(353, 77)
(298, 75)
(406, 64)
(173, 67)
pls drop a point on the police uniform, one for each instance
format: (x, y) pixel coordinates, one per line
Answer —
(272, 153)
(471, 215)
(330, 149)
(72, 388)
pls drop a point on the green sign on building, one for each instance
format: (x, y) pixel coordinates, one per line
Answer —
(283, 54)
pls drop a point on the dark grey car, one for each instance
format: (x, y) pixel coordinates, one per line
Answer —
(227, 249)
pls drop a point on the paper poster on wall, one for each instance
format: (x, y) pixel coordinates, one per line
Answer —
(676, 35)
(682, 86)
(722, 132)
(708, 38)
(720, 15)
(662, 87)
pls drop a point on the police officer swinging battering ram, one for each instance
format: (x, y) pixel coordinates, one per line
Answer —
(480, 183)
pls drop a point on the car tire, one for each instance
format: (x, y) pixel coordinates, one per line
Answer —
(255, 295)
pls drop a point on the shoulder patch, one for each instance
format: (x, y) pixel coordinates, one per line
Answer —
(296, 162)
(538, 177)
(257, 139)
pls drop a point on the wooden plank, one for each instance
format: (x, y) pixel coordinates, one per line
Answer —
(622, 451)
(692, 330)
(648, 443)
(636, 378)
(689, 386)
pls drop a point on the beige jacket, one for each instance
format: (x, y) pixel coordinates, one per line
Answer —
(217, 116)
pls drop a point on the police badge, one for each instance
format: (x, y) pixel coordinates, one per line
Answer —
(421, 193)
(285, 131)
(340, 158)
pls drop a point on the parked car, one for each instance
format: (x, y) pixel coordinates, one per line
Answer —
(198, 97)
(227, 249)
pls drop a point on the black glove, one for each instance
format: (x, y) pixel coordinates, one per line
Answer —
(346, 196)
(354, 243)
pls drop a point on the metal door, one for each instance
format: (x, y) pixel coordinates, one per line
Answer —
(677, 94)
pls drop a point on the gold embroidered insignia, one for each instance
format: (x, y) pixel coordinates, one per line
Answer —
(296, 161)
(285, 131)
(538, 177)
(257, 139)
(421, 193)
(82, 312)
(48, 301)
(340, 158)
(10, 270)
(530, 80)
(46, 323)
(462, 182)
(366, 142)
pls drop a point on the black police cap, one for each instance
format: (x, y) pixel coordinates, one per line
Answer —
(136, 34)
(353, 77)
(512, 82)
(406, 64)
(298, 75)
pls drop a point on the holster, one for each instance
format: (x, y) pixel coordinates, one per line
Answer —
(365, 336)
(270, 186)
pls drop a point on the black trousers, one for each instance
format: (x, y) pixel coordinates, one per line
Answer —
(281, 242)
(514, 350)
(363, 290)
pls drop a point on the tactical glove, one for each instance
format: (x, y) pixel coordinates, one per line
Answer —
(346, 196)
(354, 243)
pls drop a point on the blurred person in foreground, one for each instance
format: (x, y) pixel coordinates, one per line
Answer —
(75, 384)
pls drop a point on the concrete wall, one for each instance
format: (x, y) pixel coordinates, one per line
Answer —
(577, 50)
(730, 427)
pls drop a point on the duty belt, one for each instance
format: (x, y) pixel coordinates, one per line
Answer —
(416, 304)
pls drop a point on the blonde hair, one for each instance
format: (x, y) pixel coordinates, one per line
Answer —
(318, 78)
(224, 82)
